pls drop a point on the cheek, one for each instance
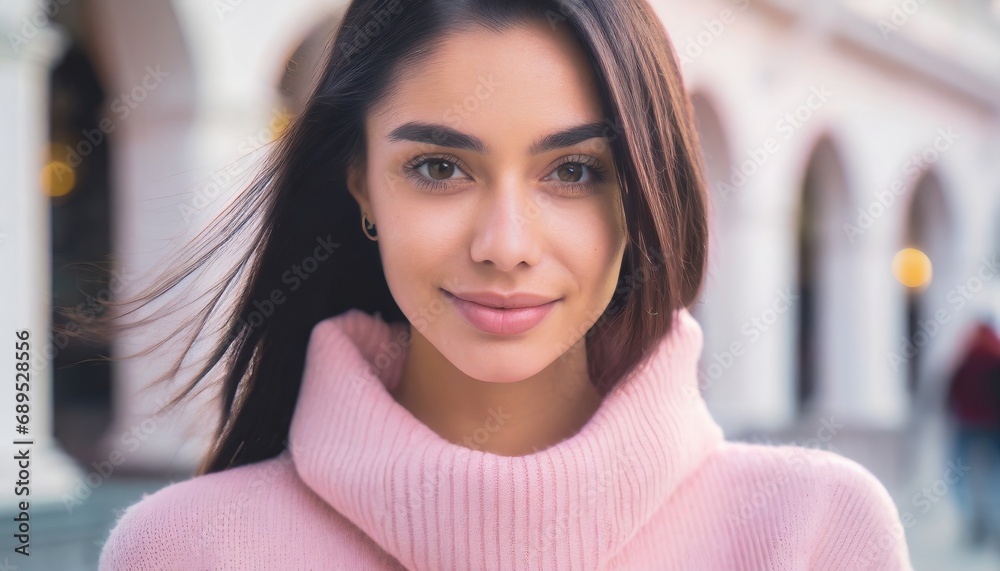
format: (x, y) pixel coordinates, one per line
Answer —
(593, 242)
(423, 232)
(418, 244)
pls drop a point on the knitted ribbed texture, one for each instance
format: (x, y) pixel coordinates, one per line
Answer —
(648, 483)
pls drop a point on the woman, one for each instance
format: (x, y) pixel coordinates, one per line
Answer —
(497, 369)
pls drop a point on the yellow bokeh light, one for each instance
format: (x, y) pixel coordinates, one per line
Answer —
(279, 123)
(58, 179)
(912, 267)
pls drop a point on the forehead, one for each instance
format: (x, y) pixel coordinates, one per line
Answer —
(521, 81)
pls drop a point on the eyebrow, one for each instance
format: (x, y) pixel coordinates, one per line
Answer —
(443, 136)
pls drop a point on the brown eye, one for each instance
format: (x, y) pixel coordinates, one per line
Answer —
(440, 169)
(573, 170)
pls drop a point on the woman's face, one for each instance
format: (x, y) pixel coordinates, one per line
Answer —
(476, 196)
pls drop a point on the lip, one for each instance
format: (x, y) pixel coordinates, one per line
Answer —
(500, 314)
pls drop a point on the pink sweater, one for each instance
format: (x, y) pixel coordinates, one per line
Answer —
(648, 483)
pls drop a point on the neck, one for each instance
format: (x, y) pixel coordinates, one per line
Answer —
(507, 419)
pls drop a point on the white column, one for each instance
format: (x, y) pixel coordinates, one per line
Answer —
(747, 365)
(178, 157)
(27, 52)
(860, 320)
(152, 126)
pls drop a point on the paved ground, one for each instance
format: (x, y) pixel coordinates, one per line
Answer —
(71, 541)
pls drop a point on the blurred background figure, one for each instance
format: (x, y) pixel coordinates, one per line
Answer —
(974, 404)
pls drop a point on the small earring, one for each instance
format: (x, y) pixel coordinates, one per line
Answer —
(366, 225)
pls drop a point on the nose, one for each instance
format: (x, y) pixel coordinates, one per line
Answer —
(507, 232)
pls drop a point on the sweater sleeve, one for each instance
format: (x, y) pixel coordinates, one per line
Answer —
(151, 535)
(862, 528)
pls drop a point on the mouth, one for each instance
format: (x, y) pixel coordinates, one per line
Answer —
(499, 314)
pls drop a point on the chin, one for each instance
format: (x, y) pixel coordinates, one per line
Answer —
(496, 369)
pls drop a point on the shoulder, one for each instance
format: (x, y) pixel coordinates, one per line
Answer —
(854, 521)
(178, 525)
(823, 468)
(251, 516)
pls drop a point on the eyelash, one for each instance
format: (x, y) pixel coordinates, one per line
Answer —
(599, 174)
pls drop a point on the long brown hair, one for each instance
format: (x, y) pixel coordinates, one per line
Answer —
(299, 199)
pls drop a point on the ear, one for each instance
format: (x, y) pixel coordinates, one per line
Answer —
(357, 185)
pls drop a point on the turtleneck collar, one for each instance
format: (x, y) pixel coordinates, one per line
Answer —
(433, 504)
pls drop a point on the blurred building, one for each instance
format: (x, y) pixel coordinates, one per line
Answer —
(851, 147)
